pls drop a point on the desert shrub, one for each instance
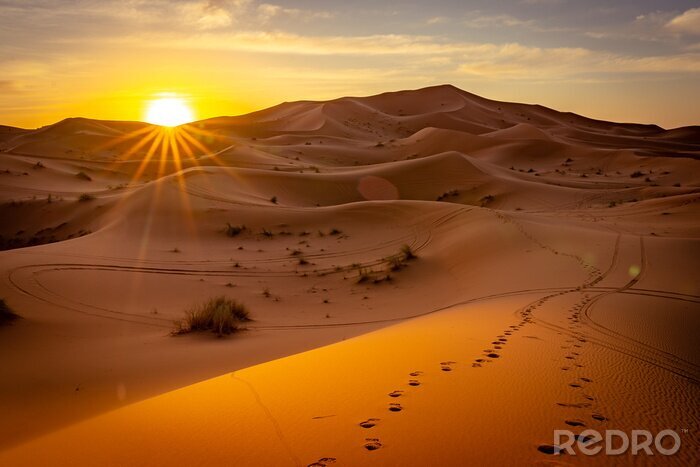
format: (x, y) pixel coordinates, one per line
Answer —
(83, 176)
(266, 233)
(234, 230)
(486, 200)
(408, 253)
(363, 275)
(86, 197)
(6, 313)
(335, 232)
(273, 200)
(396, 263)
(636, 174)
(220, 315)
(303, 262)
(39, 165)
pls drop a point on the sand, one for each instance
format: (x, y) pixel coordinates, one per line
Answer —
(555, 285)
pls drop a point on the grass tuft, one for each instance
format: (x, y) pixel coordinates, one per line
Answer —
(86, 197)
(6, 313)
(220, 315)
(234, 230)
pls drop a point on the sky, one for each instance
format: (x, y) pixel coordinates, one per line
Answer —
(628, 60)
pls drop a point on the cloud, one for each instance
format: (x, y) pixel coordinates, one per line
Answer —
(267, 12)
(207, 15)
(437, 20)
(496, 20)
(495, 61)
(688, 22)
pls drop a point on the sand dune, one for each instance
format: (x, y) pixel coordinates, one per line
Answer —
(555, 285)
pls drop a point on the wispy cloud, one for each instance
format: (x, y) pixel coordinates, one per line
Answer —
(687, 23)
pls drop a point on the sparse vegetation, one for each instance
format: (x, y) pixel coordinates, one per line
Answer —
(335, 231)
(39, 165)
(83, 176)
(266, 233)
(86, 197)
(408, 253)
(447, 194)
(363, 275)
(6, 313)
(486, 200)
(273, 200)
(234, 230)
(220, 315)
(636, 174)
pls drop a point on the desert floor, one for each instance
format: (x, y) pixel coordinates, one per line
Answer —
(555, 285)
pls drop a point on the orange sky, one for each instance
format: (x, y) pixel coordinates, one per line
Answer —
(637, 61)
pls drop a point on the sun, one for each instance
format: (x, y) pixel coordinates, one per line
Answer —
(168, 111)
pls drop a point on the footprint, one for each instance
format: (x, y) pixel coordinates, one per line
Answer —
(323, 462)
(396, 393)
(492, 355)
(416, 373)
(394, 407)
(590, 398)
(369, 423)
(575, 422)
(580, 405)
(372, 444)
(587, 380)
(599, 417)
(549, 449)
(575, 385)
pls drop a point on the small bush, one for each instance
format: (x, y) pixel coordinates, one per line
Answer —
(273, 200)
(220, 315)
(363, 275)
(6, 313)
(335, 232)
(636, 174)
(83, 176)
(486, 200)
(234, 230)
(396, 263)
(408, 253)
(39, 165)
(86, 197)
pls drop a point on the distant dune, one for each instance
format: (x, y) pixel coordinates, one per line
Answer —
(555, 285)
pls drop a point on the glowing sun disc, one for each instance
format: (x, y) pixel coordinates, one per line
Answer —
(168, 111)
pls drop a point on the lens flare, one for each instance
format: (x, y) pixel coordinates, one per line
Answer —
(168, 111)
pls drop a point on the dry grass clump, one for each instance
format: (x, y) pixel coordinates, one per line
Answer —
(6, 313)
(234, 230)
(86, 197)
(220, 315)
